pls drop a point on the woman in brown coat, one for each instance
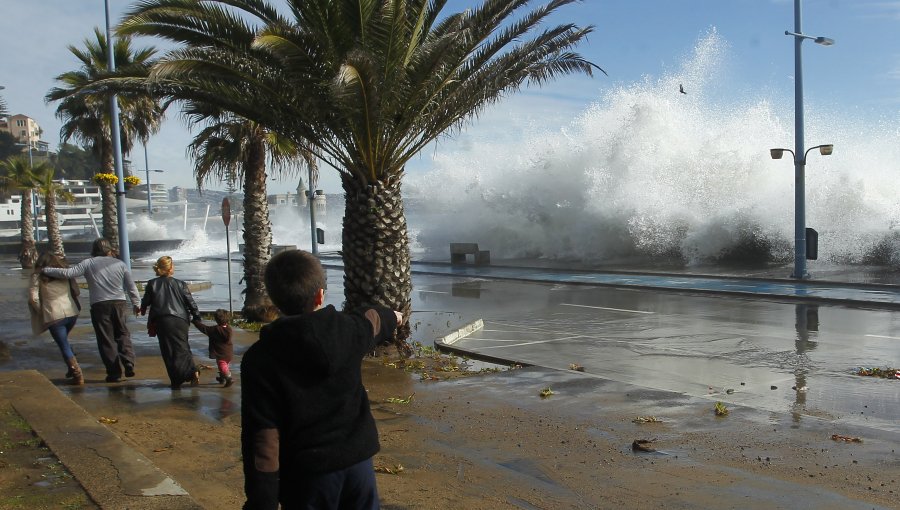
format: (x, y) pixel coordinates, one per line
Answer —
(54, 306)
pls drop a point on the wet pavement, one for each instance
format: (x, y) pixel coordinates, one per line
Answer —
(758, 347)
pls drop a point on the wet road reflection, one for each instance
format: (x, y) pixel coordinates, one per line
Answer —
(695, 345)
(796, 358)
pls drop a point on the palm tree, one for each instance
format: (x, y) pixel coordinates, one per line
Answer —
(51, 191)
(17, 176)
(84, 108)
(230, 148)
(367, 84)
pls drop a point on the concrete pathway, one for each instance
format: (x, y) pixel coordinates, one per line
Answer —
(870, 295)
(111, 472)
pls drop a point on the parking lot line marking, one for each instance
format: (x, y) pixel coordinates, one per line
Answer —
(884, 336)
(606, 308)
(531, 343)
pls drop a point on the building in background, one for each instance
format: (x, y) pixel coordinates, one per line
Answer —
(26, 131)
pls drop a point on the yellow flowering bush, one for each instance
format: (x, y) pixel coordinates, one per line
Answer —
(132, 180)
(103, 178)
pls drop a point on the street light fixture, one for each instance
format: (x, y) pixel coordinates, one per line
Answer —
(799, 163)
(824, 150)
(149, 200)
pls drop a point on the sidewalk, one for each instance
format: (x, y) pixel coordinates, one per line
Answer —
(850, 291)
(111, 472)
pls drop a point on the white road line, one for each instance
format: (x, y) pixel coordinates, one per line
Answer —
(605, 308)
(531, 343)
(473, 339)
(883, 336)
(433, 292)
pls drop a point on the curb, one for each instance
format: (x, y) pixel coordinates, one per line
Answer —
(114, 475)
(445, 344)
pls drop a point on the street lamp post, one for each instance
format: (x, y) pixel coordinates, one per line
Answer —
(800, 163)
(147, 170)
(124, 249)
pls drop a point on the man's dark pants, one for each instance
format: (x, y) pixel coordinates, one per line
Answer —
(113, 338)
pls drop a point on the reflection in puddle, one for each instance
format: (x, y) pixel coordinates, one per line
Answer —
(807, 326)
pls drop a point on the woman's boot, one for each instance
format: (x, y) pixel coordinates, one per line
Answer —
(77, 376)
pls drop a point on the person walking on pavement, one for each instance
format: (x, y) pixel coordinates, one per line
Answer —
(109, 280)
(172, 309)
(54, 306)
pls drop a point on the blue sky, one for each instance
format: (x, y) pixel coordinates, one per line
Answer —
(633, 39)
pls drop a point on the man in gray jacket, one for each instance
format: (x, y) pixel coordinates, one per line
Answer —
(108, 280)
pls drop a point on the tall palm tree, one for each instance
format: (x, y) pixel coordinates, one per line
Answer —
(16, 175)
(367, 84)
(231, 148)
(84, 109)
(51, 190)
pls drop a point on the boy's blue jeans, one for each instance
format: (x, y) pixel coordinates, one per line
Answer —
(352, 488)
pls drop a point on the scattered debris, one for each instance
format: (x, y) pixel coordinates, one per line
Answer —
(646, 419)
(164, 448)
(800, 389)
(884, 373)
(396, 470)
(202, 366)
(729, 391)
(643, 445)
(108, 421)
(848, 439)
(721, 410)
(576, 367)
(546, 392)
(773, 387)
(398, 400)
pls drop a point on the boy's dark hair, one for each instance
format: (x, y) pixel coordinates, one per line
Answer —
(221, 316)
(292, 279)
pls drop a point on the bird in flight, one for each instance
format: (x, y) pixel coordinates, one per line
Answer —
(681, 89)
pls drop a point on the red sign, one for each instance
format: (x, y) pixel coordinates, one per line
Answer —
(226, 211)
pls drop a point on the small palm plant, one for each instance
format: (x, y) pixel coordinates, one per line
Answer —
(16, 174)
(52, 191)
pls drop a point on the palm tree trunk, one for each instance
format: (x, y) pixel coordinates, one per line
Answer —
(376, 249)
(28, 253)
(257, 233)
(108, 196)
(52, 219)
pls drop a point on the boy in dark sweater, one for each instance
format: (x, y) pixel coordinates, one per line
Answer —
(220, 347)
(308, 435)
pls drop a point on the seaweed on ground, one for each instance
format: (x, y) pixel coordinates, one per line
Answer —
(884, 373)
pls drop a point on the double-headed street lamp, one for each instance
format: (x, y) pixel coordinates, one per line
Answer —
(149, 192)
(800, 163)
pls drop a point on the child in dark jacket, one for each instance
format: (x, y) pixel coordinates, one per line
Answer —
(308, 435)
(220, 347)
